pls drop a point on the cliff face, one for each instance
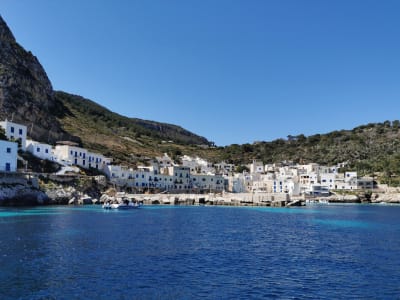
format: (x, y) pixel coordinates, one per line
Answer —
(26, 93)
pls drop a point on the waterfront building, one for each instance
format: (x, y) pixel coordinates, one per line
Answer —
(202, 182)
(365, 183)
(119, 175)
(236, 183)
(8, 156)
(15, 132)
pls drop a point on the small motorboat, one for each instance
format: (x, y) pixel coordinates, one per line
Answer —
(125, 204)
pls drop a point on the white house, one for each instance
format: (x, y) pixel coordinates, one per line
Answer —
(120, 175)
(203, 182)
(328, 180)
(73, 155)
(43, 151)
(15, 132)
(197, 165)
(8, 156)
(165, 161)
(98, 161)
(224, 168)
(256, 166)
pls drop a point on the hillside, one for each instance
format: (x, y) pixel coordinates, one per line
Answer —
(368, 148)
(126, 139)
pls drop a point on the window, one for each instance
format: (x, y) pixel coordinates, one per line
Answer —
(8, 167)
(46, 151)
(8, 150)
(12, 129)
(37, 149)
(20, 132)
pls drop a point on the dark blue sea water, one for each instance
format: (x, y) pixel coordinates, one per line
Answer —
(316, 252)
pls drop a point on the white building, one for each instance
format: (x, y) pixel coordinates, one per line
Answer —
(40, 150)
(97, 161)
(8, 156)
(197, 165)
(236, 183)
(212, 183)
(15, 132)
(256, 166)
(120, 175)
(165, 161)
(328, 180)
(73, 155)
(224, 168)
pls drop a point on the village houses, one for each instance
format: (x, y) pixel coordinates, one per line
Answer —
(193, 175)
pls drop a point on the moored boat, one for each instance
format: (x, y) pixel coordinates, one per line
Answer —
(125, 204)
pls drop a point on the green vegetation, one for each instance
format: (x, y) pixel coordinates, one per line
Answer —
(36, 164)
(2, 134)
(128, 141)
(367, 149)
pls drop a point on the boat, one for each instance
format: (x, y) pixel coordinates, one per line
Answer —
(125, 204)
(323, 201)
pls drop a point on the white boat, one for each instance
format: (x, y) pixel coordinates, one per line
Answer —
(125, 204)
(323, 201)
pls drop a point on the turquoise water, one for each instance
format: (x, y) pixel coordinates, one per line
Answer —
(166, 252)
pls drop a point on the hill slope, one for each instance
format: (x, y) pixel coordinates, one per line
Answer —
(121, 137)
(368, 148)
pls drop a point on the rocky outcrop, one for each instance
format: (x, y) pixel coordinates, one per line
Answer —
(22, 195)
(386, 198)
(26, 93)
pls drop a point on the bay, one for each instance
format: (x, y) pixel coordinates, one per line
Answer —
(172, 252)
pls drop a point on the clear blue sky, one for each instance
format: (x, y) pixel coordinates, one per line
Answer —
(232, 71)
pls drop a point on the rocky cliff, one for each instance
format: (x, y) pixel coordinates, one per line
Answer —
(26, 93)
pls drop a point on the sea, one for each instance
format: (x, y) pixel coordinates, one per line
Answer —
(200, 252)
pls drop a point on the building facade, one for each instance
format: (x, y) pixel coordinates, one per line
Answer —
(8, 156)
(15, 132)
(40, 150)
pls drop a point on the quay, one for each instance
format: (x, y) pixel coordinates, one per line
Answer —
(225, 199)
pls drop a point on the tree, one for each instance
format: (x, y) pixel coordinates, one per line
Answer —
(2, 134)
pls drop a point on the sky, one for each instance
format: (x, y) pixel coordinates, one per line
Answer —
(233, 71)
